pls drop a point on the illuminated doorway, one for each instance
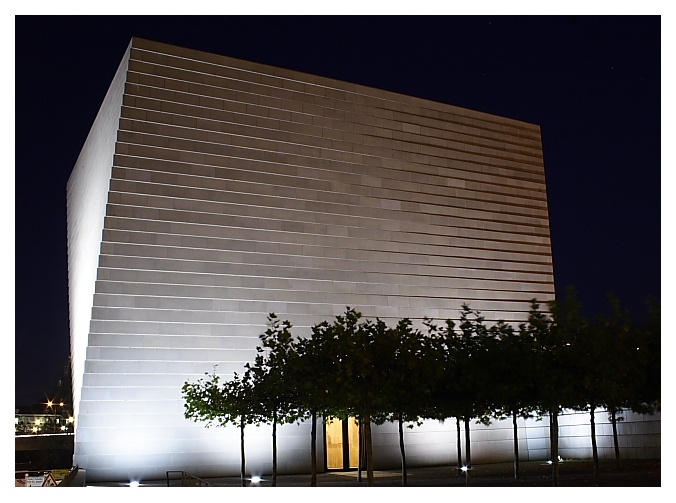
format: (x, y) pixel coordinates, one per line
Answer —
(342, 444)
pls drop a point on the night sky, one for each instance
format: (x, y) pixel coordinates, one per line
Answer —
(591, 83)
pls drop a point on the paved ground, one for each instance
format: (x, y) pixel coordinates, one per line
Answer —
(533, 474)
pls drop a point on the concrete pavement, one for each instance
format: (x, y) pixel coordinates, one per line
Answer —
(574, 473)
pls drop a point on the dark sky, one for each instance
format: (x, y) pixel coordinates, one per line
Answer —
(591, 83)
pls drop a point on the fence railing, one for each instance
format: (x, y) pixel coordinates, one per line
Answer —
(188, 480)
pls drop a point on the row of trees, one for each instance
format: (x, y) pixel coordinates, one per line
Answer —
(467, 370)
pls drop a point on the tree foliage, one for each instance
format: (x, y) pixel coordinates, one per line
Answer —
(351, 367)
(215, 403)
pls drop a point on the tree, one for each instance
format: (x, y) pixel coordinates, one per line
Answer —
(313, 369)
(404, 353)
(587, 357)
(551, 373)
(514, 385)
(474, 381)
(463, 391)
(231, 403)
(346, 366)
(636, 383)
(276, 400)
(619, 364)
(361, 373)
(442, 363)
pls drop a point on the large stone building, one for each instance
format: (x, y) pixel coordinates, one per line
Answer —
(212, 191)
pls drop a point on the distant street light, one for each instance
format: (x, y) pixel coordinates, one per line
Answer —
(51, 405)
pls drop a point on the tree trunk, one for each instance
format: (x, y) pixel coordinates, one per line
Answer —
(595, 452)
(274, 448)
(369, 448)
(613, 420)
(241, 453)
(468, 454)
(516, 445)
(554, 441)
(458, 442)
(370, 482)
(313, 448)
(361, 450)
(404, 480)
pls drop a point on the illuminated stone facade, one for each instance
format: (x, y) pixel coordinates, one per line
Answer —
(213, 191)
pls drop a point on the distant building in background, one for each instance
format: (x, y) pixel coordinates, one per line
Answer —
(212, 191)
(27, 422)
(54, 415)
(43, 435)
